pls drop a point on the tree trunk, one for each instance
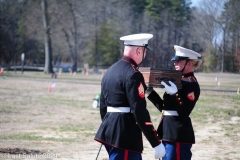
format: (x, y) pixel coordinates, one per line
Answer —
(48, 47)
(75, 39)
(96, 43)
(223, 50)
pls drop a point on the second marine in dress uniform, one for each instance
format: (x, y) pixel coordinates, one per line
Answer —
(175, 128)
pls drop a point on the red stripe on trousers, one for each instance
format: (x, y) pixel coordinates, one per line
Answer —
(177, 151)
(125, 154)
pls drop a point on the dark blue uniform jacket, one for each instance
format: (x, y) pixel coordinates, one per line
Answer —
(178, 128)
(123, 86)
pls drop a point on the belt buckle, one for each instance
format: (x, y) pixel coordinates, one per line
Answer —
(163, 112)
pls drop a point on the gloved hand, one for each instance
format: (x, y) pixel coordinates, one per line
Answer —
(149, 91)
(172, 89)
(159, 151)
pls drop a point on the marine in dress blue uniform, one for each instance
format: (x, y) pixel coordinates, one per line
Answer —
(175, 129)
(123, 106)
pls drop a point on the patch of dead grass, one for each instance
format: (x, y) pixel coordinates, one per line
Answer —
(63, 121)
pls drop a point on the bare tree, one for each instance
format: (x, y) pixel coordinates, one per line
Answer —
(212, 10)
(73, 47)
(48, 46)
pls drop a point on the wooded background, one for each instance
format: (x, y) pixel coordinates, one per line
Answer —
(88, 31)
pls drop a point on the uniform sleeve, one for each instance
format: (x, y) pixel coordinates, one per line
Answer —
(103, 105)
(186, 98)
(156, 100)
(135, 90)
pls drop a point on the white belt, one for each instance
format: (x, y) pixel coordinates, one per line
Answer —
(169, 113)
(119, 109)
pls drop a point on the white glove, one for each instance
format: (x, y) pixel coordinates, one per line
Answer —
(172, 89)
(159, 151)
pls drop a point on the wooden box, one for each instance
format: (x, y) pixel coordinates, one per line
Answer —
(154, 76)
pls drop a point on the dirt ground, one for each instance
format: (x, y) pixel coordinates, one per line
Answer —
(61, 123)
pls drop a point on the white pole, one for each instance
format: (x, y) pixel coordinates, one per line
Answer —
(22, 58)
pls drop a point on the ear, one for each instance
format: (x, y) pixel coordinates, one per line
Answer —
(138, 50)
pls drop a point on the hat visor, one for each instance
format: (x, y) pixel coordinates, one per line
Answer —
(146, 46)
(178, 58)
(149, 48)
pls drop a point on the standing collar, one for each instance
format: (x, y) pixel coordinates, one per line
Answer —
(188, 74)
(124, 58)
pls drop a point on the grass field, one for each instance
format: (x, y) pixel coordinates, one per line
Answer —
(62, 122)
